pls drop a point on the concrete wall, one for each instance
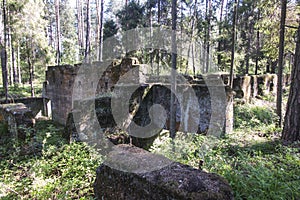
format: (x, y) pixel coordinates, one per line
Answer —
(15, 118)
(61, 80)
(38, 105)
(248, 87)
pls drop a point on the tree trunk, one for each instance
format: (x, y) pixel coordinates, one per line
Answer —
(257, 52)
(268, 66)
(158, 51)
(78, 16)
(15, 73)
(4, 53)
(247, 57)
(208, 17)
(291, 129)
(19, 64)
(280, 62)
(58, 43)
(220, 33)
(191, 45)
(98, 11)
(50, 32)
(173, 72)
(257, 48)
(101, 31)
(235, 7)
(248, 53)
(80, 28)
(87, 34)
(30, 67)
(11, 75)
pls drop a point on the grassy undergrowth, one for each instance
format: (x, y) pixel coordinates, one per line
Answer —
(252, 159)
(54, 170)
(20, 91)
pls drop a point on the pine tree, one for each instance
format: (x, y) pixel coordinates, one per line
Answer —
(291, 129)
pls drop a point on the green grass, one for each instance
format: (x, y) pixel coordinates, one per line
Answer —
(252, 158)
(56, 170)
(255, 167)
(20, 91)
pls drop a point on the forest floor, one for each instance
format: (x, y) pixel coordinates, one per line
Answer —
(252, 159)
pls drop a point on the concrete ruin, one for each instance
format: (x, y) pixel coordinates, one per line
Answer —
(151, 90)
(17, 116)
(253, 86)
(61, 80)
(17, 121)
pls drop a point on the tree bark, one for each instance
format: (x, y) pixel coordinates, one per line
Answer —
(19, 64)
(208, 18)
(87, 34)
(11, 75)
(220, 33)
(15, 72)
(257, 48)
(158, 21)
(249, 39)
(30, 66)
(4, 53)
(58, 39)
(233, 35)
(173, 72)
(80, 28)
(101, 30)
(291, 129)
(280, 62)
(257, 52)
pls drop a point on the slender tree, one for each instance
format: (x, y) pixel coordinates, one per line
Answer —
(19, 63)
(80, 27)
(9, 37)
(30, 54)
(257, 46)
(87, 34)
(58, 35)
(208, 32)
(173, 72)
(280, 62)
(233, 38)
(100, 11)
(291, 129)
(4, 52)
(220, 33)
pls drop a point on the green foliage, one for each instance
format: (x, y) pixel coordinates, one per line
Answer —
(132, 16)
(3, 129)
(57, 171)
(254, 117)
(69, 45)
(20, 91)
(110, 29)
(265, 170)
(255, 169)
(181, 149)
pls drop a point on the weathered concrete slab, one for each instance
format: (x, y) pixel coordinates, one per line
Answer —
(131, 173)
(17, 118)
(38, 105)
